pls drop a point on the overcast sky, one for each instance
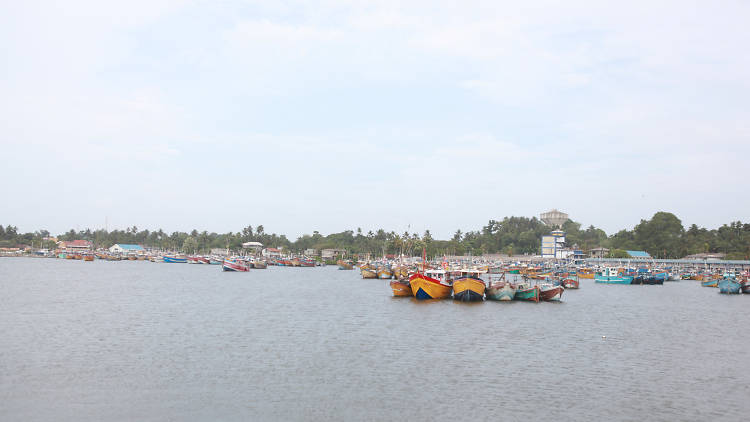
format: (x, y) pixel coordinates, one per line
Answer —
(329, 115)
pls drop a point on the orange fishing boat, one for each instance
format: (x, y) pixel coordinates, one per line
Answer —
(401, 288)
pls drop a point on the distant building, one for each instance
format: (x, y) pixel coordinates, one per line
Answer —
(124, 248)
(271, 253)
(638, 254)
(553, 245)
(554, 218)
(75, 245)
(256, 246)
(311, 252)
(331, 253)
(219, 251)
(598, 253)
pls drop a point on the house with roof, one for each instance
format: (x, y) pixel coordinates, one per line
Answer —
(598, 253)
(75, 245)
(124, 248)
(271, 253)
(255, 246)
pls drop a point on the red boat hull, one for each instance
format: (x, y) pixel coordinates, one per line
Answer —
(233, 265)
(551, 294)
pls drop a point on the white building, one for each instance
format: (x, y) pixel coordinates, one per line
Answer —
(271, 253)
(553, 245)
(123, 248)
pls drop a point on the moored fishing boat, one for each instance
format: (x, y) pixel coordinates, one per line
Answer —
(88, 257)
(655, 277)
(525, 291)
(433, 284)
(384, 273)
(729, 285)
(260, 264)
(570, 283)
(368, 272)
(306, 262)
(745, 286)
(710, 283)
(401, 273)
(550, 293)
(175, 259)
(194, 260)
(401, 288)
(612, 276)
(502, 291)
(585, 273)
(235, 264)
(469, 286)
(344, 265)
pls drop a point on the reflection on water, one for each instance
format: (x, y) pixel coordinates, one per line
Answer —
(147, 341)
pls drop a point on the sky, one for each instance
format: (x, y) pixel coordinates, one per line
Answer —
(330, 115)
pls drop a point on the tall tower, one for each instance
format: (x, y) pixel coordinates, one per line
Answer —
(553, 245)
(554, 218)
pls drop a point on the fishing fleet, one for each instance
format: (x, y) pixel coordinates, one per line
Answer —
(462, 280)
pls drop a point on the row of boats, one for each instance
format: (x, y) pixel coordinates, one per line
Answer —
(468, 286)
(729, 284)
(235, 263)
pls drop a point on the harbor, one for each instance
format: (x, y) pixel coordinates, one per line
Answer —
(466, 279)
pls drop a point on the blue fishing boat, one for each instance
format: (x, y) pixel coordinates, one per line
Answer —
(711, 282)
(612, 276)
(729, 285)
(175, 259)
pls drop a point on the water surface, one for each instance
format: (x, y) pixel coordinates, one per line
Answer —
(151, 341)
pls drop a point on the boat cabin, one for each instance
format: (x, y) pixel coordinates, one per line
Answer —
(439, 275)
(610, 272)
(472, 273)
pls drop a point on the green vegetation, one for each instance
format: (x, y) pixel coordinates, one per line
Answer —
(662, 236)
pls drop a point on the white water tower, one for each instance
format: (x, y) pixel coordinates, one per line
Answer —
(554, 218)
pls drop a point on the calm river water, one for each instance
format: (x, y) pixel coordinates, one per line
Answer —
(142, 341)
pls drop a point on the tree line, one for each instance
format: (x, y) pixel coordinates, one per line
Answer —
(662, 236)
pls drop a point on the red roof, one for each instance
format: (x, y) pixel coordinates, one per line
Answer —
(273, 250)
